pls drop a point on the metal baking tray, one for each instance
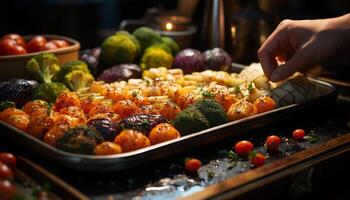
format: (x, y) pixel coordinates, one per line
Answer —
(127, 160)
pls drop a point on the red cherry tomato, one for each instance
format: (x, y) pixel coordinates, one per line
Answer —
(17, 38)
(298, 134)
(273, 142)
(8, 159)
(7, 190)
(6, 46)
(243, 147)
(36, 44)
(192, 165)
(17, 50)
(258, 159)
(49, 46)
(60, 43)
(5, 172)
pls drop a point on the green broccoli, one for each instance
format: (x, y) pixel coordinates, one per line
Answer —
(77, 80)
(71, 66)
(147, 37)
(45, 66)
(81, 139)
(49, 91)
(119, 48)
(190, 120)
(6, 104)
(156, 56)
(171, 44)
(212, 111)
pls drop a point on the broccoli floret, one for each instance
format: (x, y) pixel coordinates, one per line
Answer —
(77, 80)
(119, 48)
(190, 120)
(171, 44)
(156, 56)
(81, 139)
(71, 66)
(147, 37)
(7, 104)
(49, 91)
(45, 66)
(212, 111)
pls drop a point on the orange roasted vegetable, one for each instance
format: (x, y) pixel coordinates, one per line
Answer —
(15, 117)
(100, 108)
(131, 140)
(264, 104)
(38, 125)
(226, 100)
(163, 132)
(66, 99)
(88, 103)
(185, 100)
(114, 117)
(62, 119)
(55, 133)
(125, 108)
(169, 110)
(36, 108)
(116, 94)
(107, 148)
(241, 109)
(74, 111)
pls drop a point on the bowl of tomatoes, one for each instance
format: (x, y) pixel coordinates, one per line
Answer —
(17, 50)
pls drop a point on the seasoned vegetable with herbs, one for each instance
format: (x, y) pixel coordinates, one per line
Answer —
(212, 111)
(163, 132)
(190, 120)
(15, 117)
(107, 148)
(106, 127)
(142, 122)
(130, 140)
(81, 139)
(49, 91)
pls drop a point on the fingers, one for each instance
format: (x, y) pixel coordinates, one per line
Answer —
(283, 71)
(266, 54)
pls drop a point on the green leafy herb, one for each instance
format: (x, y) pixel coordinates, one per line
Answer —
(250, 87)
(232, 156)
(236, 90)
(208, 94)
(134, 94)
(7, 104)
(312, 138)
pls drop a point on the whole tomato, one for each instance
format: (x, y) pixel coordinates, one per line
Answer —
(60, 43)
(273, 142)
(8, 159)
(257, 160)
(243, 147)
(49, 46)
(7, 190)
(17, 38)
(36, 44)
(298, 134)
(17, 50)
(6, 46)
(5, 172)
(192, 165)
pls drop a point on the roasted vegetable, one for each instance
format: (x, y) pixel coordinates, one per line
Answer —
(38, 125)
(107, 148)
(45, 66)
(146, 37)
(130, 140)
(217, 59)
(7, 104)
(36, 107)
(77, 80)
(15, 117)
(119, 48)
(190, 120)
(171, 44)
(212, 111)
(142, 122)
(241, 109)
(106, 127)
(189, 60)
(122, 72)
(49, 91)
(81, 140)
(72, 66)
(157, 56)
(125, 108)
(163, 132)
(19, 91)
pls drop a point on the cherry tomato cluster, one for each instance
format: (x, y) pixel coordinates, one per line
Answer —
(245, 148)
(14, 44)
(7, 188)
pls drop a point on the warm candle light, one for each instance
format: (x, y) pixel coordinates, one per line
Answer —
(169, 26)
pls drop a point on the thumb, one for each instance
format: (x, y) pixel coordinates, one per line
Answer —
(296, 62)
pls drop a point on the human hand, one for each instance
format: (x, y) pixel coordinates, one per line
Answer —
(296, 44)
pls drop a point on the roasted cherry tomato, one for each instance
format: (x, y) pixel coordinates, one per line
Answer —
(264, 104)
(8, 159)
(7, 190)
(60, 43)
(273, 142)
(6, 46)
(243, 147)
(298, 134)
(5, 172)
(163, 132)
(107, 148)
(18, 50)
(36, 43)
(257, 160)
(49, 46)
(192, 165)
(19, 39)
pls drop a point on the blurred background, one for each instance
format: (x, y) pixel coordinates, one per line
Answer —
(247, 23)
